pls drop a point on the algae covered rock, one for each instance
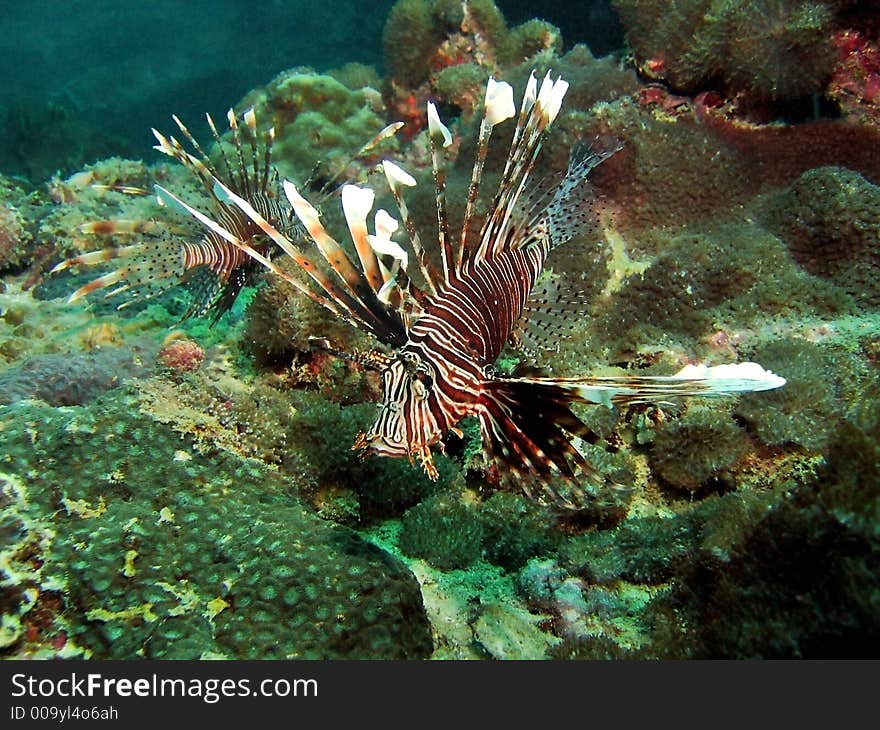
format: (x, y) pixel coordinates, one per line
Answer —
(166, 553)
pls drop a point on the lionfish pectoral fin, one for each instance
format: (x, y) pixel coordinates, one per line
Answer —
(692, 380)
(528, 427)
(361, 443)
(371, 360)
(552, 312)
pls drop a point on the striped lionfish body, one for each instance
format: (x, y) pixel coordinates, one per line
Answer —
(214, 270)
(442, 338)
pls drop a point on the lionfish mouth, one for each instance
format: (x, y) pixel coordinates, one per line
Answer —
(381, 446)
(378, 444)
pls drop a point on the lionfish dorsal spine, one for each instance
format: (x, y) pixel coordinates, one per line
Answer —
(397, 179)
(337, 303)
(354, 301)
(537, 112)
(206, 161)
(220, 149)
(239, 151)
(268, 142)
(250, 120)
(498, 106)
(357, 203)
(440, 138)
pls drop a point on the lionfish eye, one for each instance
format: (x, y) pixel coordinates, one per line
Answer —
(410, 362)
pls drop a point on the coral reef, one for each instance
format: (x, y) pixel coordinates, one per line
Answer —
(181, 355)
(514, 530)
(445, 50)
(855, 83)
(207, 567)
(14, 237)
(278, 324)
(444, 531)
(704, 285)
(213, 507)
(808, 411)
(740, 601)
(29, 610)
(704, 444)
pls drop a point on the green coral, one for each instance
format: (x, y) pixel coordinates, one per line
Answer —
(318, 122)
(701, 445)
(463, 85)
(410, 38)
(851, 480)
(794, 583)
(830, 220)
(384, 486)
(169, 554)
(768, 49)
(515, 530)
(704, 281)
(444, 531)
(527, 39)
(640, 550)
(806, 410)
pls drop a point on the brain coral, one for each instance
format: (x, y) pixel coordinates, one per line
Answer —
(167, 554)
(78, 378)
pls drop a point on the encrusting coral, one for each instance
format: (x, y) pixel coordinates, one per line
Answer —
(830, 219)
(808, 411)
(701, 445)
(766, 49)
(206, 567)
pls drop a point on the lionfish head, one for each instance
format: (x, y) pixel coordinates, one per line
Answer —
(406, 425)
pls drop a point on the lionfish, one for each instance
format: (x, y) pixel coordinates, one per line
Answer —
(442, 338)
(214, 270)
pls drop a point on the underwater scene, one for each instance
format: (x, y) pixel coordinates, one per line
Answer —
(440, 329)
